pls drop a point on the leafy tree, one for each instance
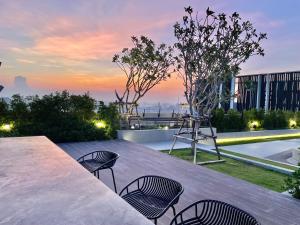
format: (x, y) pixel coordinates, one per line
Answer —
(211, 51)
(145, 66)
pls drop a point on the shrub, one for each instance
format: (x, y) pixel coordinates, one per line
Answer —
(291, 118)
(281, 120)
(297, 118)
(19, 109)
(4, 111)
(110, 115)
(269, 120)
(83, 106)
(233, 121)
(61, 117)
(275, 119)
(292, 184)
(218, 120)
(253, 118)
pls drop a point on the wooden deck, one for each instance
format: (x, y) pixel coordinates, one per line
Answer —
(269, 207)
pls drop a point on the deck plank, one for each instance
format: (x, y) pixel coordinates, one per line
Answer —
(269, 207)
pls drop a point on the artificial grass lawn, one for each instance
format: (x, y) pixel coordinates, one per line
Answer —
(290, 167)
(262, 177)
(248, 140)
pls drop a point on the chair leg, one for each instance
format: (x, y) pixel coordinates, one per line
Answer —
(96, 174)
(155, 221)
(174, 210)
(113, 176)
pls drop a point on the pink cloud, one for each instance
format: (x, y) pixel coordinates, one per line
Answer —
(66, 39)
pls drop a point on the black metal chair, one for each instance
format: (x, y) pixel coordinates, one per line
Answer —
(212, 212)
(99, 160)
(152, 196)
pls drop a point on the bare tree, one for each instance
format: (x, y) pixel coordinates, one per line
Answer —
(145, 66)
(211, 51)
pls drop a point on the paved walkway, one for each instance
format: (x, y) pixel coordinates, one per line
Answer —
(269, 207)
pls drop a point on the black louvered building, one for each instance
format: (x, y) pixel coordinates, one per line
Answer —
(269, 91)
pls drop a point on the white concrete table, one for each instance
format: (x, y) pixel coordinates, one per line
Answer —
(40, 184)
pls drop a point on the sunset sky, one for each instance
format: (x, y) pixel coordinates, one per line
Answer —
(69, 44)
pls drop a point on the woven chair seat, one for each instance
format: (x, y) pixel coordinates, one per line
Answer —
(92, 165)
(149, 206)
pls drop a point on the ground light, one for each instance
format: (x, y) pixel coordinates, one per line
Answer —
(6, 127)
(292, 123)
(100, 123)
(253, 125)
(224, 141)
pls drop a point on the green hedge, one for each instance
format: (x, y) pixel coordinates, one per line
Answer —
(254, 120)
(292, 184)
(60, 116)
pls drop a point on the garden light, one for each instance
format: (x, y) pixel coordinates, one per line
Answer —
(100, 123)
(6, 127)
(225, 141)
(253, 124)
(292, 123)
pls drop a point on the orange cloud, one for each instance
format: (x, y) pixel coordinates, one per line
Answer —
(100, 83)
(78, 82)
(26, 61)
(83, 46)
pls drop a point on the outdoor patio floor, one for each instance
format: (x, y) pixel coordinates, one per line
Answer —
(270, 208)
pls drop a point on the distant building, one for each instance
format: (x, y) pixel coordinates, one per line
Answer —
(20, 83)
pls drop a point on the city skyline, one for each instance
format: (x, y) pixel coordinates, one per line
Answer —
(58, 45)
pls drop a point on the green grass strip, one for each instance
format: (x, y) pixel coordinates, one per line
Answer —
(253, 174)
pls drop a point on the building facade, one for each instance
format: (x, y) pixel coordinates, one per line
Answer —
(269, 91)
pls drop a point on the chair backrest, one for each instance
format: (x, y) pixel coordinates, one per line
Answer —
(214, 212)
(161, 187)
(106, 156)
